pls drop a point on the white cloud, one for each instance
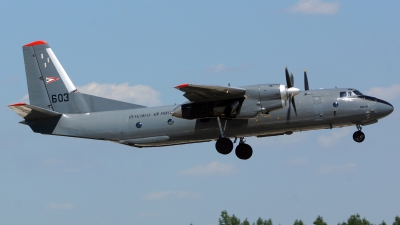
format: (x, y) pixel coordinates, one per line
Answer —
(169, 195)
(315, 7)
(25, 98)
(298, 161)
(338, 169)
(335, 136)
(139, 94)
(220, 68)
(60, 206)
(217, 69)
(212, 169)
(385, 93)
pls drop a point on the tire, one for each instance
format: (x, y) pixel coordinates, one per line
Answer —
(358, 136)
(244, 151)
(224, 146)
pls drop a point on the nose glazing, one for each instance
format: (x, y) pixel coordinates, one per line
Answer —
(383, 108)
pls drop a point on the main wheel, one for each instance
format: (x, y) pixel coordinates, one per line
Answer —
(244, 151)
(224, 146)
(358, 136)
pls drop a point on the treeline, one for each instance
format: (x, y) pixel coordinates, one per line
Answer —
(226, 219)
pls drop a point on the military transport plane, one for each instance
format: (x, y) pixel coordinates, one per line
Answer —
(218, 113)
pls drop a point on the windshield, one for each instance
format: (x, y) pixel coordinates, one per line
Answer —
(357, 92)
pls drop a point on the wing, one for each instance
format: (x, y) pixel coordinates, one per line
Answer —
(32, 112)
(197, 93)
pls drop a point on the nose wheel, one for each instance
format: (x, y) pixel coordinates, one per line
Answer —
(358, 136)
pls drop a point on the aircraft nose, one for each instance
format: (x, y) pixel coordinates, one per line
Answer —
(383, 108)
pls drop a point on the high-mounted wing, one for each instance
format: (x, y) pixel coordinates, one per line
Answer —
(197, 93)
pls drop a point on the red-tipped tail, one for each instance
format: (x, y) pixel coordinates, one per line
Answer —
(39, 42)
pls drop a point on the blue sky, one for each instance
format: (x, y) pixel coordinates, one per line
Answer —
(138, 51)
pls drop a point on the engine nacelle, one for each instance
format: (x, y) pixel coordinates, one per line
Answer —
(262, 98)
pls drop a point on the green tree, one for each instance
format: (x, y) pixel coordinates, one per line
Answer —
(245, 222)
(225, 218)
(356, 220)
(229, 220)
(263, 222)
(396, 221)
(319, 221)
(383, 223)
(235, 220)
(298, 222)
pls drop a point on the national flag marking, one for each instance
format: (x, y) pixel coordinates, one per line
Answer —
(50, 79)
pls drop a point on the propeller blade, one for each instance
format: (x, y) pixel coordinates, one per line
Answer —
(292, 79)
(288, 111)
(294, 105)
(288, 81)
(306, 81)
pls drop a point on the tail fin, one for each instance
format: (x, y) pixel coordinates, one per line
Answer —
(50, 87)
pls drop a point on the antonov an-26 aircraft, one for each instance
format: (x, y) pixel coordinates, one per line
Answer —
(220, 113)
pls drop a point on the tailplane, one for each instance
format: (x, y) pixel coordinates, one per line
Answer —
(50, 87)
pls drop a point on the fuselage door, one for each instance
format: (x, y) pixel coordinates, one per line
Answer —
(318, 107)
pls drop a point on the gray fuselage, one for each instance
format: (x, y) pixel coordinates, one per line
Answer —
(155, 126)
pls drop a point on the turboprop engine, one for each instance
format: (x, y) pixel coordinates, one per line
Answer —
(242, 103)
(257, 99)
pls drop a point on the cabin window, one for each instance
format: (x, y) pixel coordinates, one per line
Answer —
(343, 94)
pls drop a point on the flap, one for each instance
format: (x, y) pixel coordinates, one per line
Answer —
(196, 93)
(32, 112)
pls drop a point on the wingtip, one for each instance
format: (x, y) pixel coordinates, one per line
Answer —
(18, 104)
(181, 86)
(38, 42)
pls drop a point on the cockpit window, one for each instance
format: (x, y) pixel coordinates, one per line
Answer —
(343, 94)
(357, 92)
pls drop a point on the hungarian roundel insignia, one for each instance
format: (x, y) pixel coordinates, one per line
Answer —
(50, 79)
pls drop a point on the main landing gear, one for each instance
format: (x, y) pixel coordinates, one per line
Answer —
(225, 146)
(358, 136)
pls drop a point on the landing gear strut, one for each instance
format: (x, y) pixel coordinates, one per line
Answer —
(358, 136)
(243, 151)
(223, 145)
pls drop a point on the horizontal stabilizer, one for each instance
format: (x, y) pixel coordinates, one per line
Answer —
(30, 112)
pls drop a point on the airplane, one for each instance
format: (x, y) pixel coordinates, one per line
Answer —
(212, 113)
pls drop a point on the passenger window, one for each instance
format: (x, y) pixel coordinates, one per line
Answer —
(343, 94)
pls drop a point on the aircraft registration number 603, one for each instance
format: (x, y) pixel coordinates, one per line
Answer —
(60, 98)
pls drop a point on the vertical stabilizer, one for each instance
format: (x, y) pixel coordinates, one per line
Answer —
(50, 87)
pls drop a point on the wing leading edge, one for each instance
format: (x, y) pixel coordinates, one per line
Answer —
(197, 93)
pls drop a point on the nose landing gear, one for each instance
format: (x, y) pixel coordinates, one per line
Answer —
(358, 136)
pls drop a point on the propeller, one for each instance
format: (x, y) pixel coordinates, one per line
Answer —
(291, 91)
(306, 81)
